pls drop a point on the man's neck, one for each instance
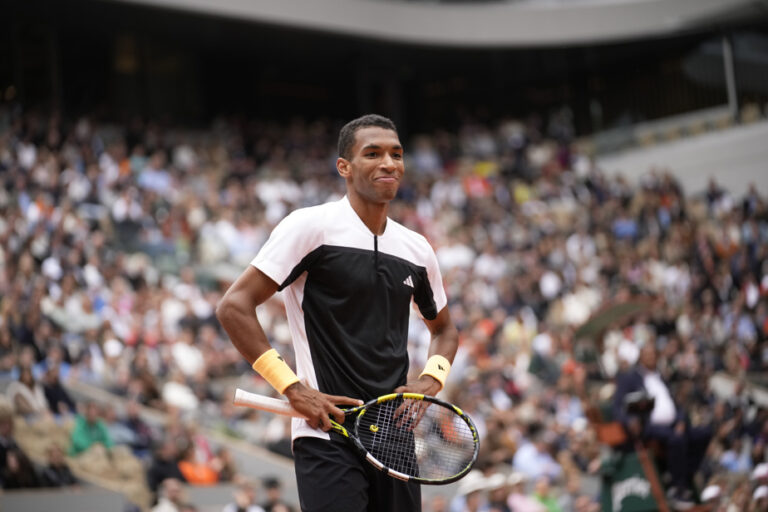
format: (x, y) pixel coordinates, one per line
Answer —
(373, 215)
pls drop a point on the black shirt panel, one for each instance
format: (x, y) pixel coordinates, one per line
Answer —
(356, 309)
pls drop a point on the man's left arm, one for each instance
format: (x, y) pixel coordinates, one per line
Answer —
(442, 349)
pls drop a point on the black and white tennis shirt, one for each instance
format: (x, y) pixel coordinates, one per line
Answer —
(347, 296)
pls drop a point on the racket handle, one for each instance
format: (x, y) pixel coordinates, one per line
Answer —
(265, 403)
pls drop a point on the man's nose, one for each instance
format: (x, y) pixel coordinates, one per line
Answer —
(388, 163)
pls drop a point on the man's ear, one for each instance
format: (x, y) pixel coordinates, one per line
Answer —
(342, 166)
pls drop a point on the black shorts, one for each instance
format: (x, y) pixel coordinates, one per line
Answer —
(333, 477)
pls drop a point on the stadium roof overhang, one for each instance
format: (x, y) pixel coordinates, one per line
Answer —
(488, 24)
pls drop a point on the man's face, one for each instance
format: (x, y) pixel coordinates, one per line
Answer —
(648, 357)
(375, 167)
(91, 412)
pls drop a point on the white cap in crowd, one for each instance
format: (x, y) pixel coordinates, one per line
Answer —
(760, 472)
(495, 481)
(710, 492)
(515, 478)
(473, 482)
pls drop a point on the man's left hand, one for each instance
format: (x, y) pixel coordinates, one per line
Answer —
(425, 385)
(410, 413)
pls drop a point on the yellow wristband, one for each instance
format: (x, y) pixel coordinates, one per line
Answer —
(438, 367)
(274, 369)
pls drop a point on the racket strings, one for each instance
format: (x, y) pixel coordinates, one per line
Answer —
(437, 446)
(391, 444)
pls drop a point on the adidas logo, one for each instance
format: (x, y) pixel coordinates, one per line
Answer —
(408, 281)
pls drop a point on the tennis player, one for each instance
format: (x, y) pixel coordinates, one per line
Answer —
(349, 275)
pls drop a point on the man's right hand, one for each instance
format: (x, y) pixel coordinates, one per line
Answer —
(318, 408)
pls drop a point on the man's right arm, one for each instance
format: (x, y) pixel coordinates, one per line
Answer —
(626, 382)
(236, 312)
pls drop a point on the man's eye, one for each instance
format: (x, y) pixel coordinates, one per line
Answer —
(371, 154)
(397, 156)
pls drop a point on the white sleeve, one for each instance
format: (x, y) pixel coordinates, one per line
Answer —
(429, 294)
(436, 281)
(293, 238)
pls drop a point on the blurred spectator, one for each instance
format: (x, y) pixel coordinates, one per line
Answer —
(89, 429)
(711, 495)
(534, 458)
(734, 458)
(497, 487)
(56, 473)
(684, 445)
(543, 494)
(27, 395)
(245, 499)
(273, 488)
(470, 494)
(760, 499)
(201, 447)
(54, 357)
(438, 503)
(196, 472)
(759, 475)
(143, 434)
(224, 464)
(186, 355)
(7, 353)
(59, 400)
(172, 497)
(517, 499)
(164, 465)
(117, 430)
(16, 469)
(178, 394)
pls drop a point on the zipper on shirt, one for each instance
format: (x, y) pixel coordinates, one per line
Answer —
(376, 252)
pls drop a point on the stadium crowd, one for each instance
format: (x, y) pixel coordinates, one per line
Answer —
(118, 241)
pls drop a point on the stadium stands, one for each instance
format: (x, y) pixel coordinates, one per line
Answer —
(117, 241)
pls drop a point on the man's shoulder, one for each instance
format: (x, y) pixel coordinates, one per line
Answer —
(309, 211)
(312, 215)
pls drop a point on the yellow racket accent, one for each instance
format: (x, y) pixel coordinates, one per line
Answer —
(386, 398)
(340, 429)
(374, 428)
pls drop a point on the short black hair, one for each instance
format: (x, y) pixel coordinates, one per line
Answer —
(347, 133)
(271, 482)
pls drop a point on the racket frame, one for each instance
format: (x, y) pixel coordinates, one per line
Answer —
(284, 408)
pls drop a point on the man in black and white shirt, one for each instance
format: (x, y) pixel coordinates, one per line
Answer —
(349, 275)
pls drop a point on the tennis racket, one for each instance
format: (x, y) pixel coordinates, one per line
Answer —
(409, 436)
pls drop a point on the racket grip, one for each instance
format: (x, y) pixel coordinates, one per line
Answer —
(265, 403)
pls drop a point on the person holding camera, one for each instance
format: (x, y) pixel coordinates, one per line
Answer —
(662, 420)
